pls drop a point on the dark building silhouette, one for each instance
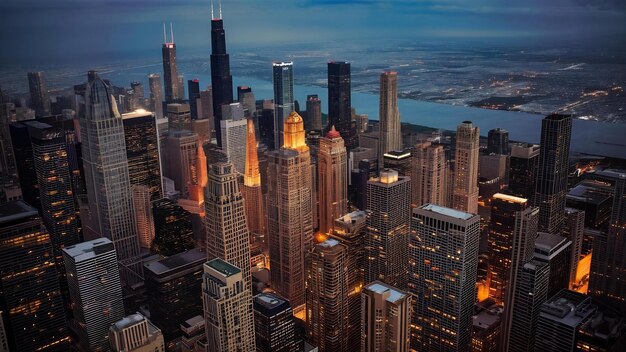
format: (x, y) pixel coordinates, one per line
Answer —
(523, 169)
(274, 324)
(266, 128)
(25, 163)
(221, 79)
(498, 141)
(170, 70)
(339, 101)
(39, 97)
(173, 228)
(313, 120)
(193, 88)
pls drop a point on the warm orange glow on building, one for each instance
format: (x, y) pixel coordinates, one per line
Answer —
(252, 176)
(482, 291)
(295, 137)
(320, 237)
(582, 275)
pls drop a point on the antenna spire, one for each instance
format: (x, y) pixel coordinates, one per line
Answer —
(212, 11)
(164, 34)
(220, 1)
(172, 32)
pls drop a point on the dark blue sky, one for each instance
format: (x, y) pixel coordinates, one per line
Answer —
(37, 32)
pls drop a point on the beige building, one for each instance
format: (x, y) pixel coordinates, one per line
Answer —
(183, 158)
(429, 175)
(332, 178)
(389, 116)
(135, 333)
(465, 186)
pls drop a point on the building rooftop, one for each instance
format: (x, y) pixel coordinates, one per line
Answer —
(589, 193)
(195, 322)
(549, 241)
(510, 198)
(128, 321)
(136, 113)
(17, 210)
(568, 307)
(329, 243)
(486, 319)
(353, 217)
(398, 154)
(270, 304)
(381, 288)
(177, 261)
(90, 249)
(457, 214)
(223, 267)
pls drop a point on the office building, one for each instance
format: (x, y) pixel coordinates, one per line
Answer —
(388, 227)
(339, 101)
(465, 186)
(399, 160)
(313, 113)
(443, 262)
(142, 151)
(332, 178)
(143, 215)
(282, 73)
(228, 316)
(138, 92)
(221, 79)
(252, 191)
(523, 169)
(173, 228)
(498, 141)
(605, 331)
(274, 324)
(183, 157)
(595, 199)
(486, 331)
(555, 250)
(265, 116)
(386, 318)
(193, 90)
(170, 69)
(246, 97)
(95, 287)
(178, 116)
(39, 97)
(25, 163)
(173, 286)
(227, 232)
(429, 175)
(234, 134)
(31, 303)
(108, 183)
(135, 333)
(575, 232)
(389, 115)
(156, 95)
(193, 332)
(206, 106)
(552, 171)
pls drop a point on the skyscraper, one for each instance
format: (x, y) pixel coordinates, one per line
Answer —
(193, 87)
(498, 141)
(465, 190)
(251, 190)
(389, 116)
(332, 179)
(173, 228)
(289, 212)
(39, 97)
(183, 159)
(339, 101)
(228, 316)
(170, 69)
(225, 219)
(313, 113)
(234, 133)
(94, 280)
(221, 79)
(523, 169)
(179, 117)
(283, 97)
(142, 206)
(388, 227)
(555, 250)
(142, 151)
(386, 318)
(574, 232)
(135, 333)
(137, 88)
(274, 324)
(443, 264)
(156, 94)
(551, 182)
(246, 97)
(31, 298)
(108, 184)
(429, 176)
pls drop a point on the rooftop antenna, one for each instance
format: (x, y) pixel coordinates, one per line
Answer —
(164, 34)
(212, 12)
(172, 32)
(220, 2)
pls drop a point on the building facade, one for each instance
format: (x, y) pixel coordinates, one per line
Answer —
(332, 178)
(465, 186)
(389, 116)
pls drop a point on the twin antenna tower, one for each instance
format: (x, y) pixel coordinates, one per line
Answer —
(212, 17)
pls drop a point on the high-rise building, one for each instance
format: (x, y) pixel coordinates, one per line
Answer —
(465, 189)
(530, 293)
(108, 183)
(329, 287)
(39, 97)
(498, 141)
(31, 303)
(559, 320)
(135, 333)
(206, 106)
(443, 261)
(234, 133)
(340, 101)
(399, 160)
(486, 331)
(332, 169)
(181, 87)
(274, 324)
(193, 88)
(283, 98)
(178, 116)
(575, 232)
(227, 302)
(170, 69)
(552, 171)
(138, 92)
(523, 169)
(227, 232)
(173, 228)
(221, 79)
(555, 250)
(173, 287)
(246, 97)
(156, 94)
(386, 318)
(143, 215)
(389, 116)
(289, 212)
(388, 227)
(313, 113)
(142, 151)
(252, 192)
(193, 332)
(430, 171)
(183, 159)
(265, 116)
(94, 280)
(25, 164)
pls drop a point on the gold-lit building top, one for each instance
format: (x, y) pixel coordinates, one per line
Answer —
(252, 176)
(510, 198)
(295, 137)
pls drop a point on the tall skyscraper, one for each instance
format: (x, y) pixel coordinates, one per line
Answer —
(389, 116)
(555, 250)
(179, 117)
(574, 232)
(183, 159)
(340, 101)
(498, 141)
(225, 219)
(386, 318)
(135, 333)
(246, 97)
(228, 316)
(234, 133)
(206, 104)
(465, 190)
(313, 113)
(221, 79)
(156, 94)
(388, 227)
(274, 324)
(170, 69)
(283, 97)
(332, 179)
(523, 169)
(108, 184)
(94, 280)
(31, 298)
(142, 151)
(551, 182)
(289, 212)
(193, 88)
(251, 190)
(429, 176)
(443, 264)
(39, 97)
